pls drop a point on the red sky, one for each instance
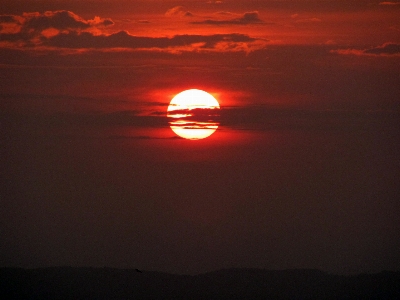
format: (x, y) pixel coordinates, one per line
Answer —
(302, 172)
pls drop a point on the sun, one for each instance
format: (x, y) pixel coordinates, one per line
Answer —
(193, 114)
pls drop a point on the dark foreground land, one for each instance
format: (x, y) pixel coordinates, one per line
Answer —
(106, 283)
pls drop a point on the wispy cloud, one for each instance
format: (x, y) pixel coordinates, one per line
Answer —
(247, 18)
(178, 11)
(387, 49)
(389, 3)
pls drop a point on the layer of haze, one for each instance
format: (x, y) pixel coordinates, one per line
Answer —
(303, 171)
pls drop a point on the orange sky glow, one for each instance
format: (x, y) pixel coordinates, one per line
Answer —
(302, 171)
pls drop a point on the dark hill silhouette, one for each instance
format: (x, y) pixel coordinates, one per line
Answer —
(108, 283)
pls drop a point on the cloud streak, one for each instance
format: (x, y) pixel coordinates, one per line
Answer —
(387, 49)
(123, 39)
(247, 18)
(389, 3)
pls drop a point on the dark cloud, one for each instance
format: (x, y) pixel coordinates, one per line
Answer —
(250, 17)
(142, 137)
(131, 118)
(64, 29)
(106, 22)
(247, 18)
(30, 25)
(8, 19)
(197, 112)
(123, 39)
(188, 14)
(264, 117)
(58, 19)
(387, 49)
(15, 37)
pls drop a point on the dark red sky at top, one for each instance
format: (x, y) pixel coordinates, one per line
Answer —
(303, 171)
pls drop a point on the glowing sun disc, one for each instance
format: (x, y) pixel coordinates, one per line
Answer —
(185, 109)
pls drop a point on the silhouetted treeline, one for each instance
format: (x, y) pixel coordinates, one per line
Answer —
(107, 283)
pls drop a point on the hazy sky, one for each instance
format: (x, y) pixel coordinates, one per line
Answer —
(303, 171)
